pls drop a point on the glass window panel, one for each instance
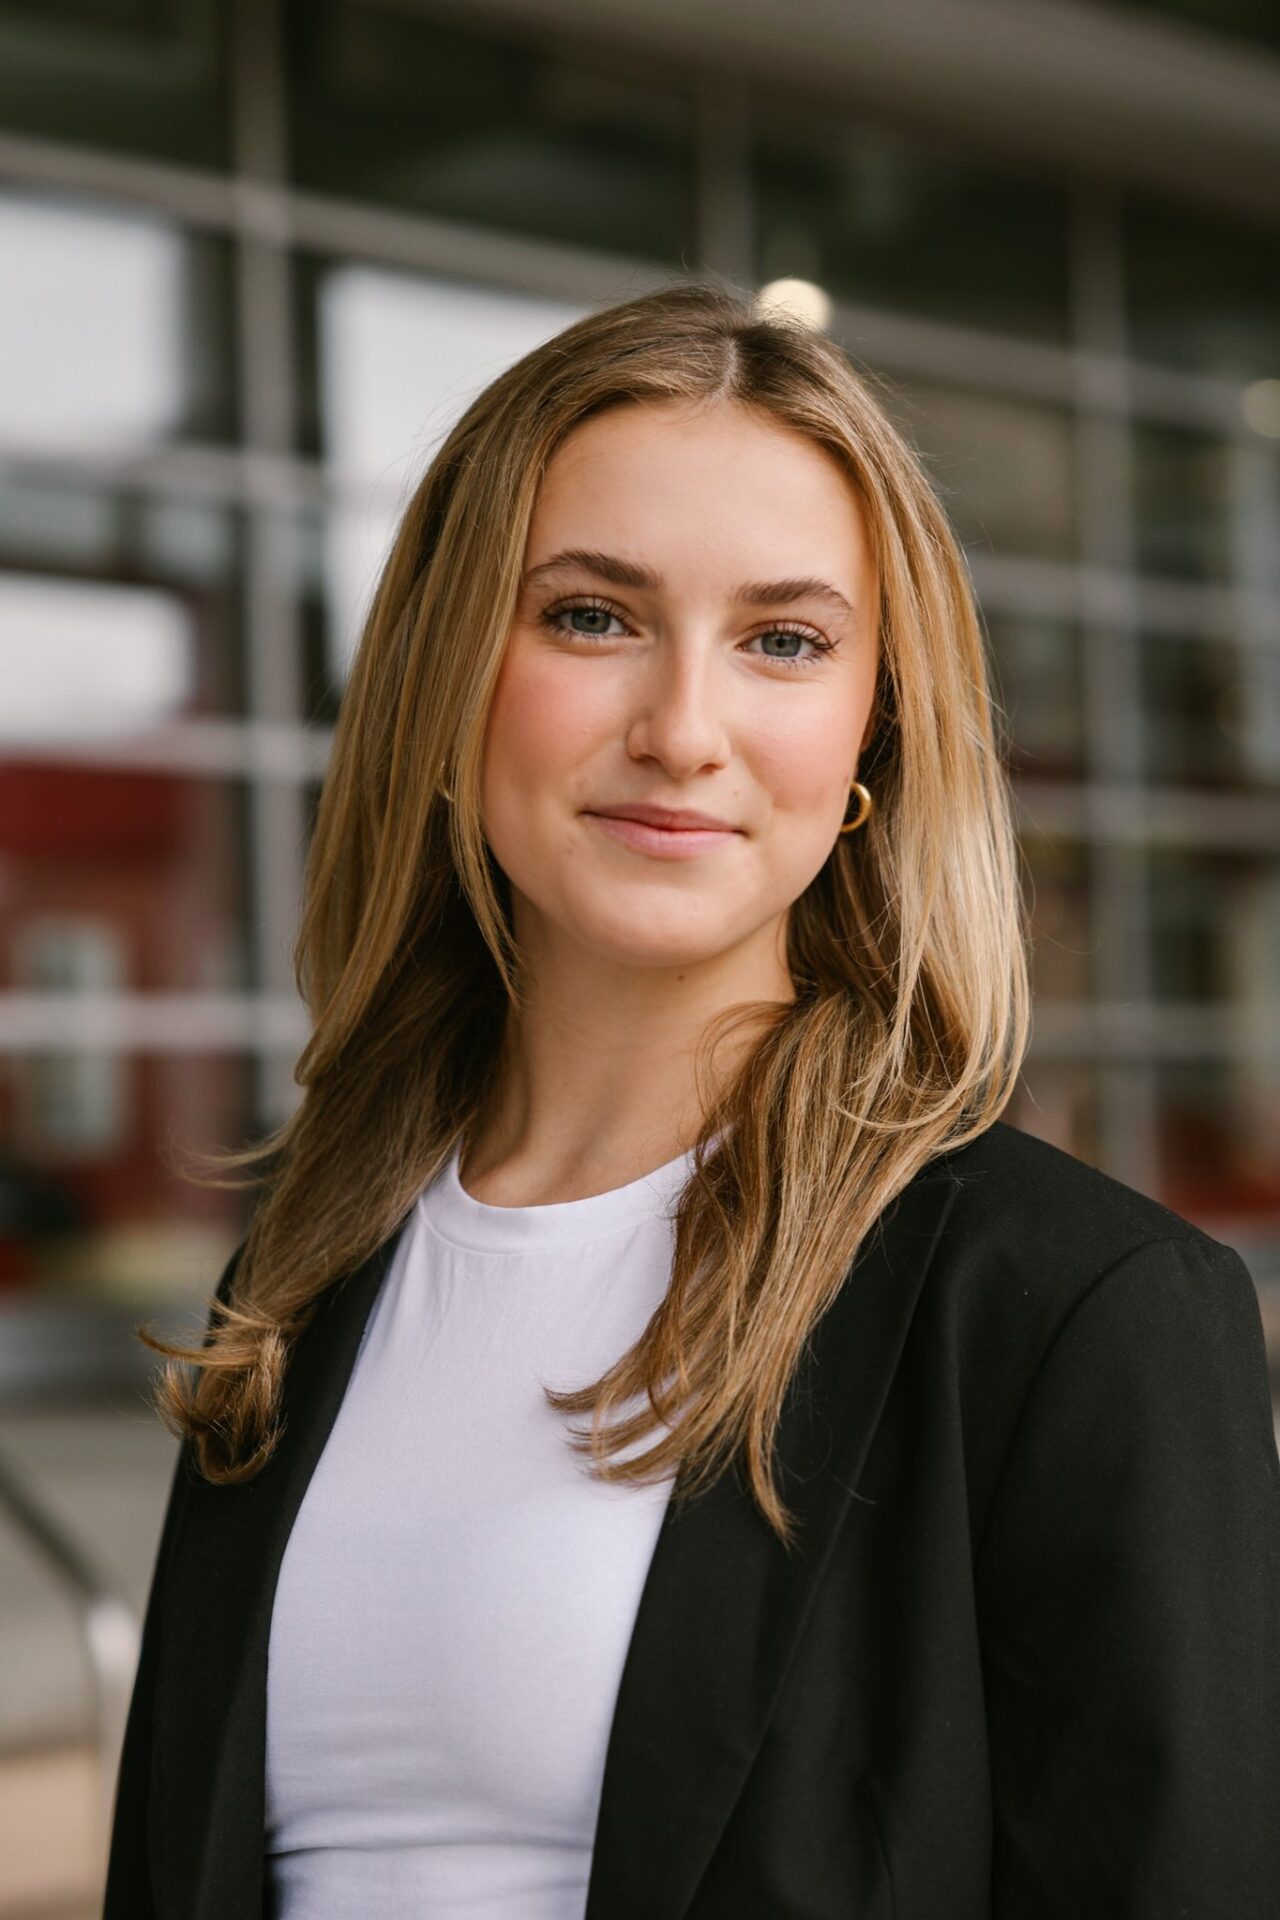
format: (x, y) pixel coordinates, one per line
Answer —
(401, 355)
(1004, 469)
(121, 879)
(323, 671)
(1055, 884)
(145, 77)
(1182, 502)
(1242, 19)
(1255, 498)
(1057, 1101)
(84, 659)
(1211, 711)
(115, 330)
(1037, 668)
(118, 613)
(508, 132)
(398, 357)
(1203, 290)
(1218, 1138)
(883, 221)
(1215, 926)
(96, 1209)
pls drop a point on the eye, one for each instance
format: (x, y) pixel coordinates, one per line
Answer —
(590, 621)
(817, 641)
(598, 609)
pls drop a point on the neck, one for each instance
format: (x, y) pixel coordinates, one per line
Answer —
(599, 1082)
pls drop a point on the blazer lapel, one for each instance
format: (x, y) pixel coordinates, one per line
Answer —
(209, 1784)
(720, 1610)
(724, 1603)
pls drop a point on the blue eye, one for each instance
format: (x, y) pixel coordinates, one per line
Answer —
(555, 614)
(552, 616)
(814, 640)
(590, 613)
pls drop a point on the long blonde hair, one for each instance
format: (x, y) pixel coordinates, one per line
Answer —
(908, 951)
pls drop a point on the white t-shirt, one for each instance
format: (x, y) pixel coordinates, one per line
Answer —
(457, 1594)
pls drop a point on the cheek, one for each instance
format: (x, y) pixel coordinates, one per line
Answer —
(801, 762)
(541, 721)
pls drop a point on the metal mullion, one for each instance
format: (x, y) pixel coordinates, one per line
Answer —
(1254, 480)
(899, 342)
(1110, 634)
(1188, 1030)
(1124, 816)
(273, 635)
(154, 1020)
(277, 214)
(1013, 583)
(722, 173)
(283, 752)
(264, 216)
(205, 200)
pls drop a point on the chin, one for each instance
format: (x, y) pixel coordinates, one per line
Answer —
(648, 946)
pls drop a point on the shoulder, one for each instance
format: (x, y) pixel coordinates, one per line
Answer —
(1031, 1232)
(1054, 1286)
(1020, 1196)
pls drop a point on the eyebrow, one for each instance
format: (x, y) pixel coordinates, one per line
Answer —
(629, 573)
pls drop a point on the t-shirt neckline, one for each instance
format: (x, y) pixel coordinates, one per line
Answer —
(457, 1216)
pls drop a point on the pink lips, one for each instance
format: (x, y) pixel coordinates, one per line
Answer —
(672, 818)
(670, 833)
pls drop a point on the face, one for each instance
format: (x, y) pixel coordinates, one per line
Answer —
(711, 649)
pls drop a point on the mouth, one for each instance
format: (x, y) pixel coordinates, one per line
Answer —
(673, 817)
(663, 841)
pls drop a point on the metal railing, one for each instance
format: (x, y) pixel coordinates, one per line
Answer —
(109, 1628)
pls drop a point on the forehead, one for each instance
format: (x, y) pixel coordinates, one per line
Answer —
(711, 478)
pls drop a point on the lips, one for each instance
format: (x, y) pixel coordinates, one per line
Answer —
(637, 828)
(671, 819)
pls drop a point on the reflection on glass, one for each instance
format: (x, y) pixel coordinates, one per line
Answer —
(516, 133)
(1215, 926)
(399, 358)
(147, 80)
(114, 330)
(1004, 468)
(120, 879)
(1182, 504)
(1037, 673)
(1055, 885)
(322, 671)
(95, 1205)
(880, 221)
(1255, 505)
(87, 655)
(91, 660)
(1203, 290)
(1057, 1101)
(1211, 712)
(1218, 1136)
(1243, 21)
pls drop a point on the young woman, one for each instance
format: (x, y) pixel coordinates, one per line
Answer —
(920, 1558)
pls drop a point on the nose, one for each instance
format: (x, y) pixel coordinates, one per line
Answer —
(680, 714)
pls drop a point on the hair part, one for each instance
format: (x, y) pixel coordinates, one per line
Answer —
(908, 950)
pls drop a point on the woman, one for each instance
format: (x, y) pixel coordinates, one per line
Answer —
(663, 938)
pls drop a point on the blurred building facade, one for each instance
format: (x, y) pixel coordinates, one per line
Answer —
(257, 255)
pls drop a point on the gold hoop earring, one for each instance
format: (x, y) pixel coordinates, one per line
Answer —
(444, 793)
(864, 807)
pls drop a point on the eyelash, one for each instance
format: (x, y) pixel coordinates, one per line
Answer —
(550, 615)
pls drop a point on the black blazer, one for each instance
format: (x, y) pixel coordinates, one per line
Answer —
(1025, 1665)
